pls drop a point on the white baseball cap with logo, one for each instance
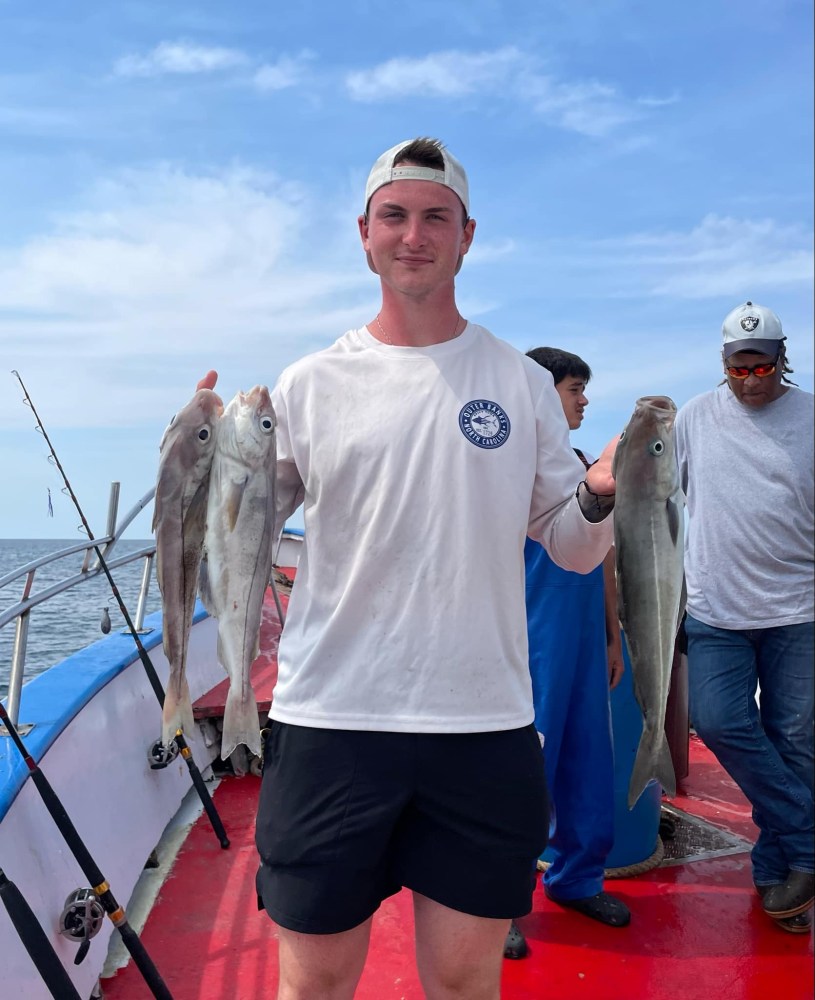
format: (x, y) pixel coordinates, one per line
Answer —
(751, 327)
(384, 172)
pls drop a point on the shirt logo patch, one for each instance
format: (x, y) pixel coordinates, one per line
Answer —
(484, 423)
(749, 323)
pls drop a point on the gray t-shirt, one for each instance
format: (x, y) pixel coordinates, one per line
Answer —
(748, 477)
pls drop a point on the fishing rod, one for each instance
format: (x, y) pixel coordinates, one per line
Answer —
(77, 847)
(152, 676)
(35, 941)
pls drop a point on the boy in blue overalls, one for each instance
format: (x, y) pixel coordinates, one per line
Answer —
(575, 657)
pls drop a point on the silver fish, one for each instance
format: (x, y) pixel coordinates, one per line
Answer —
(239, 551)
(179, 520)
(648, 537)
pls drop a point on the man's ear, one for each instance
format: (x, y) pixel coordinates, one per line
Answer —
(466, 243)
(362, 222)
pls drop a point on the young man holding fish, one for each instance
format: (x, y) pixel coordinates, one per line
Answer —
(402, 749)
(745, 454)
(575, 657)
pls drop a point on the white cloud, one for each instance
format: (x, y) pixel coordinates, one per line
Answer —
(484, 253)
(589, 107)
(721, 256)
(287, 72)
(658, 102)
(180, 57)
(161, 268)
(442, 74)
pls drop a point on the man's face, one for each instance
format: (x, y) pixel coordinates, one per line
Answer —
(572, 392)
(754, 391)
(414, 236)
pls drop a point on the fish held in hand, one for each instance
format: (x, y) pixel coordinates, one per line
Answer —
(179, 522)
(239, 551)
(649, 543)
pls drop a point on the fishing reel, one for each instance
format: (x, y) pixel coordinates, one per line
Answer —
(81, 919)
(161, 755)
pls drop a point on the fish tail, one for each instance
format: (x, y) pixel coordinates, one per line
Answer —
(177, 711)
(649, 763)
(241, 724)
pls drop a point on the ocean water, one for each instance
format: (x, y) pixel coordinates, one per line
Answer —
(63, 624)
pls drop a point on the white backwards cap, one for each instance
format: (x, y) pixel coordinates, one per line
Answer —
(384, 172)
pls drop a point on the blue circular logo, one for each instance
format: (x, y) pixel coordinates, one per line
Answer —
(484, 423)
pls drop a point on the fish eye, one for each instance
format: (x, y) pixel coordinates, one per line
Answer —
(203, 434)
(656, 447)
(266, 424)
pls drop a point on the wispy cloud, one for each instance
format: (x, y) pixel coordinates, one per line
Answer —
(590, 107)
(181, 57)
(442, 74)
(288, 71)
(721, 256)
(162, 267)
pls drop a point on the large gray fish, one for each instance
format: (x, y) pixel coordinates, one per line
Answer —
(239, 551)
(649, 540)
(179, 521)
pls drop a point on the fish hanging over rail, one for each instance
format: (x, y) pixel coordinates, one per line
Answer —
(179, 522)
(649, 542)
(239, 551)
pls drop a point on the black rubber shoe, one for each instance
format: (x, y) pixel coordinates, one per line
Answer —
(515, 945)
(794, 896)
(603, 907)
(800, 924)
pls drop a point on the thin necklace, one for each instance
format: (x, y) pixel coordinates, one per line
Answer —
(388, 340)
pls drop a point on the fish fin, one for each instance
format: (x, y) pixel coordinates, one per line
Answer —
(673, 508)
(619, 552)
(205, 586)
(665, 770)
(177, 711)
(649, 765)
(221, 652)
(614, 459)
(195, 516)
(683, 601)
(241, 723)
(232, 499)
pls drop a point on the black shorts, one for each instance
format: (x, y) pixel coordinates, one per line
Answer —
(346, 818)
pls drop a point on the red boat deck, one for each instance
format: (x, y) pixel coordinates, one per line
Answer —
(697, 930)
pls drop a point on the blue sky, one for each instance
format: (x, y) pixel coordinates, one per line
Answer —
(179, 187)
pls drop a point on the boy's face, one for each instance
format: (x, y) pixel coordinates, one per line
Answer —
(572, 392)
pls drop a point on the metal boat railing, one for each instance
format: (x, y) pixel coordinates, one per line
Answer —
(21, 611)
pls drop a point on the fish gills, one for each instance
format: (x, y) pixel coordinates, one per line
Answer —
(179, 520)
(649, 541)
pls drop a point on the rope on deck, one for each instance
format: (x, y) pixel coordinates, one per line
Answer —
(628, 871)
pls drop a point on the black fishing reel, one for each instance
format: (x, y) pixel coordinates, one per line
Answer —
(81, 919)
(160, 755)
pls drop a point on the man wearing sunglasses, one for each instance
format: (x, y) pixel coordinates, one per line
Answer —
(745, 453)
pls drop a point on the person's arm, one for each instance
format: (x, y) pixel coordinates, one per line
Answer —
(614, 641)
(596, 493)
(571, 529)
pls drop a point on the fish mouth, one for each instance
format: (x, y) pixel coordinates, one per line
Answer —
(658, 403)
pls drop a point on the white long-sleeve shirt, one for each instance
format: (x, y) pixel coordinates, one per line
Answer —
(422, 470)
